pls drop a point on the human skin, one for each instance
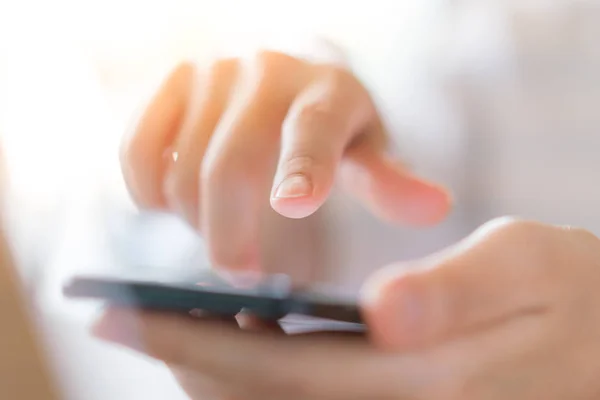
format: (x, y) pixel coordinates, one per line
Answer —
(240, 126)
(508, 313)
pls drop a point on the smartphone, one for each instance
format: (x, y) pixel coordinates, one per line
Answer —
(272, 299)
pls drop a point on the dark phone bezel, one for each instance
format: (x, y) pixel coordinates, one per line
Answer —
(220, 299)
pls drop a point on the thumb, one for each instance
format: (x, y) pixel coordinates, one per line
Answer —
(497, 273)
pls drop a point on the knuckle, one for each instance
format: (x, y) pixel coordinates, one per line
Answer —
(272, 75)
(341, 79)
(223, 69)
(274, 61)
(345, 88)
(534, 248)
(176, 80)
(512, 229)
(331, 102)
(501, 224)
(266, 67)
(298, 162)
(319, 114)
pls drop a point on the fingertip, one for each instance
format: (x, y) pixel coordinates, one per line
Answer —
(103, 325)
(395, 309)
(119, 326)
(394, 194)
(424, 203)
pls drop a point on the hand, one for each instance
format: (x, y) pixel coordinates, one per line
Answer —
(271, 130)
(513, 312)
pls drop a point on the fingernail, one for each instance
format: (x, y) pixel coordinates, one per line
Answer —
(294, 186)
(119, 327)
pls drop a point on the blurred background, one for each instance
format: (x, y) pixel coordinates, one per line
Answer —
(497, 99)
